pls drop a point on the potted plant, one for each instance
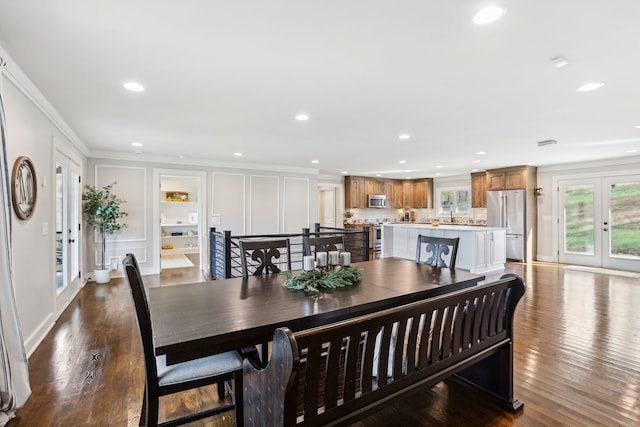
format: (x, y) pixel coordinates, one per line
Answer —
(101, 210)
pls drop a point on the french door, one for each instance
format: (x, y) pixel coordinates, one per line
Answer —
(67, 228)
(599, 222)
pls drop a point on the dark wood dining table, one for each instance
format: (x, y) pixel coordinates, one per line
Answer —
(199, 319)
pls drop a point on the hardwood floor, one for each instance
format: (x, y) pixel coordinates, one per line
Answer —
(577, 361)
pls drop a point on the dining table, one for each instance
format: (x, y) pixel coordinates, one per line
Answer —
(199, 319)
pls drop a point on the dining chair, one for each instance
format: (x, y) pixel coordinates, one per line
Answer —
(264, 252)
(437, 248)
(322, 244)
(163, 379)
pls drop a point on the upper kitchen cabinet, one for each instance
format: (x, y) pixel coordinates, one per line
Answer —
(375, 187)
(479, 190)
(422, 193)
(355, 192)
(513, 178)
(407, 194)
(393, 191)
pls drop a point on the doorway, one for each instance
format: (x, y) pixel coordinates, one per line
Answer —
(68, 194)
(599, 222)
(327, 207)
(180, 216)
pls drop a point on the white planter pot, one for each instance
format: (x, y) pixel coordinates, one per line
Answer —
(102, 276)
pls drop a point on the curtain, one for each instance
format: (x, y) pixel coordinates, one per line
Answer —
(14, 370)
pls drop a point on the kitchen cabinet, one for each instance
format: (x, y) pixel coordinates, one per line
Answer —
(479, 190)
(375, 187)
(513, 178)
(407, 194)
(422, 193)
(355, 192)
(490, 249)
(400, 194)
(360, 227)
(481, 249)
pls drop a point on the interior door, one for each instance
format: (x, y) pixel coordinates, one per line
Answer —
(599, 222)
(68, 194)
(327, 207)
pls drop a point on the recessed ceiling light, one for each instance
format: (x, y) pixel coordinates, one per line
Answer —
(439, 166)
(134, 87)
(344, 172)
(559, 61)
(378, 175)
(137, 144)
(315, 161)
(404, 136)
(637, 127)
(407, 177)
(438, 174)
(590, 86)
(302, 117)
(480, 153)
(475, 161)
(402, 161)
(531, 163)
(474, 170)
(488, 15)
(237, 154)
(632, 151)
(182, 156)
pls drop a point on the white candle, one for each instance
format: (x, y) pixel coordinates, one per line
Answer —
(321, 257)
(345, 259)
(333, 257)
(308, 263)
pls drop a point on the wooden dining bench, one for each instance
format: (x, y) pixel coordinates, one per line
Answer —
(341, 372)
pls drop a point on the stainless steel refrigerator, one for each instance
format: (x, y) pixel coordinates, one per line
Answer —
(506, 209)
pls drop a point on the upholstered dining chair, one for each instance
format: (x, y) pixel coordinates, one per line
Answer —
(312, 245)
(437, 249)
(162, 379)
(264, 252)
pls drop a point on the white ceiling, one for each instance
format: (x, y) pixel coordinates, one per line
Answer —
(229, 76)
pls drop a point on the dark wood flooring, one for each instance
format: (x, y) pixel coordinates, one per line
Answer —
(577, 361)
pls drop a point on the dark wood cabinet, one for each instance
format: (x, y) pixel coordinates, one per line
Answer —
(375, 187)
(407, 194)
(479, 190)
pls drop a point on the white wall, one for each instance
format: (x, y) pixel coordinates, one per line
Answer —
(30, 132)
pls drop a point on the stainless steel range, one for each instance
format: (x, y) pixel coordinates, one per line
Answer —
(377, 237)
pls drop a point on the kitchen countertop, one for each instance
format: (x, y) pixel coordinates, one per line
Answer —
(455, 227)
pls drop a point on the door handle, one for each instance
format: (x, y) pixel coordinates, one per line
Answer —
(72, 240)
(605, 229)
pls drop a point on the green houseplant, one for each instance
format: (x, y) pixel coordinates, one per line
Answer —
(101, 210)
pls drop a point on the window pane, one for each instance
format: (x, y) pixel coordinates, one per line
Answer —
(446, 201)
(624, 204)
(578, 219)
(463, 201)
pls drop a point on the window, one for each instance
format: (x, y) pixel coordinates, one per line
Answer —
(454, 200)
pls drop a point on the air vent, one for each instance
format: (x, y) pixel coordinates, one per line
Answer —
(547, 142)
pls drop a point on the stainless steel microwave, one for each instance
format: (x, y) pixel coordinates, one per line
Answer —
(377, 200)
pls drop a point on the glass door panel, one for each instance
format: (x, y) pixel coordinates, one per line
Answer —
(623, 223)
(579, 219)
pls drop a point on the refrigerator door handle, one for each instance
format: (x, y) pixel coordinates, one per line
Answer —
(506, 212)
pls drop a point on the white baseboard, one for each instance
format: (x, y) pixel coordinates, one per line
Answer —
(33, 341)
(543, 258)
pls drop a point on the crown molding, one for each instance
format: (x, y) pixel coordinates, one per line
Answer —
(21, 81)
(190, 161)
(615, 161)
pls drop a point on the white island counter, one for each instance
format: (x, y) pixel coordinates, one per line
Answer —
(481, 249)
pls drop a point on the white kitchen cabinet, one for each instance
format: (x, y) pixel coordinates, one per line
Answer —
(480, 250)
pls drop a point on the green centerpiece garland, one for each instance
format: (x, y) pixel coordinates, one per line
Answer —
(311, 281)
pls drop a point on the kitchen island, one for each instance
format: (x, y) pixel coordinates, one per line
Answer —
(481, 249)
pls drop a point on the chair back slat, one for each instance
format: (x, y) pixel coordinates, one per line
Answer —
(263, 253)
(438, 250)
(313, 245)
